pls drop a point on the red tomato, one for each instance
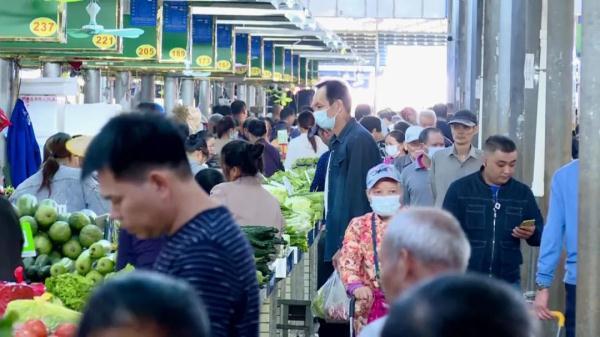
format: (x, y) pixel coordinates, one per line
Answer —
(37, 327)
(66, 330)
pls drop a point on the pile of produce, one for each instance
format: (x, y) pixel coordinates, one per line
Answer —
(64, 243)
(264, 241)
(41, 317)
(301, 208)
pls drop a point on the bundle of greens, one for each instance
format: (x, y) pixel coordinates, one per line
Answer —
(72, 289)
(264, 241)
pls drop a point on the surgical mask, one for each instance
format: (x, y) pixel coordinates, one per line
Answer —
(433, 150)
(385, 206)
(323, 120)
(391, 150)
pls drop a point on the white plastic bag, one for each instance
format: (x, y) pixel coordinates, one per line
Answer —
(332, 303)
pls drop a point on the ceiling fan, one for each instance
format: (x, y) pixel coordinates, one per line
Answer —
(93, 28)
(64, 0)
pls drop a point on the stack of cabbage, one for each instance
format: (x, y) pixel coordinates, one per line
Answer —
(300, 208)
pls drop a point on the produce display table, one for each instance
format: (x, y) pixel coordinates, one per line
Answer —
(286, 299)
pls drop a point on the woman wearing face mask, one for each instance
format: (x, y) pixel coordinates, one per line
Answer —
(197, 151)
(394, 146)
(358, 263)
(243, 193)
(225, 133)
(306, 145)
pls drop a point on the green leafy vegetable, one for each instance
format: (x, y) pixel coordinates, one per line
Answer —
(72, 289)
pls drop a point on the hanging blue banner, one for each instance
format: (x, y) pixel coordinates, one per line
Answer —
(224, 36)
(255, 46)
(296, 67)
(268, 49)
(287, 62)
(143, 13)
(175, 15)
(241, 48)
(202, 32)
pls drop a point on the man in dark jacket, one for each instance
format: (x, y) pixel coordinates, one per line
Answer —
(353, 153)
(11, 241)
(492, 207)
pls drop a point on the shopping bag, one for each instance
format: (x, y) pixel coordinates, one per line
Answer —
(332, 303)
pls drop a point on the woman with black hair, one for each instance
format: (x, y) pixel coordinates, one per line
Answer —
(209, 178)
(144, 304)
(60, 178)
(257, 134)
(11, 241)
(243, 193)
(307, 145)
(225, 133)
(197, 151)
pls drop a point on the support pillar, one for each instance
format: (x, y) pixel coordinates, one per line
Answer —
(122, 89)
(91, 88)
(187, 91)
(251, 96)
(468, 64)
(218, 92)
(204, 97)
(261, 100)
(455, 20)
(9, 77)
(588, 257)
(170, 94)
(148, 88)
(559, 87)
(230, 87)
(242, 92)
(51, 70)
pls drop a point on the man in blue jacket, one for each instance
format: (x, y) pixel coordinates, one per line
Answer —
(492, 208)
(353, 153)
(560, 231)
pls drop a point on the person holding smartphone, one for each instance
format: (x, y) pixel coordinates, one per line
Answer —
(496, 212)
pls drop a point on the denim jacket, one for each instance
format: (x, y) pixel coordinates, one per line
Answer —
(353, 153)
(489, 220)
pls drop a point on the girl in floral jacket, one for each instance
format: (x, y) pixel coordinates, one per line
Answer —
(358, 261)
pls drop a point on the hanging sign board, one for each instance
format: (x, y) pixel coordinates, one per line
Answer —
(296, 68)
(269, 57)
(203, 38)
(278, 67)
(37, 21)
(143, 13)
(315, 72)
(110, 16)
(242, 53)
(256, 57)
(225, 46)
(288, 68)
(173, 32)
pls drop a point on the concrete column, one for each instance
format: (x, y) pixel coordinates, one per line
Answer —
(51, 70)
(243, 92)
(496, 67)
(456, 19)
(122, 88)
(171, 93)
(230, 87)
(251, 96)
(559, 92)
(9, 77)
(187, 91)
(91, 88)
(204, 97)
(218, 92)
(148, 88)
(588, 257)
(261, 100)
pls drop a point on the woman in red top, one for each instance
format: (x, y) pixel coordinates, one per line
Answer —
(358, 261)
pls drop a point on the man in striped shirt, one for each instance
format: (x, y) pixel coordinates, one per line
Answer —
(143, 170)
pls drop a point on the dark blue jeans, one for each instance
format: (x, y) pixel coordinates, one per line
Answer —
(570, 309)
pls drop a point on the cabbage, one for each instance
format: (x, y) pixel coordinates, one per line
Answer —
(279, 192)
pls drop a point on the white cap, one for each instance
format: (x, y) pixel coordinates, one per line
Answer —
(412, 134)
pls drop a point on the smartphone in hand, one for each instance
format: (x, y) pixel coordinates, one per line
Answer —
(527, 224)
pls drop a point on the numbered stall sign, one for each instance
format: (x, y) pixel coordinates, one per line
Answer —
(177, 54)
(43, 27)
(146, 51)
(104, 41)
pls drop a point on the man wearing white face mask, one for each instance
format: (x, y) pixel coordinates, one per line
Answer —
(359, 256)
(415, 177)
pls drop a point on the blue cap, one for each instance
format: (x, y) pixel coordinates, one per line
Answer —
(382, 171)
